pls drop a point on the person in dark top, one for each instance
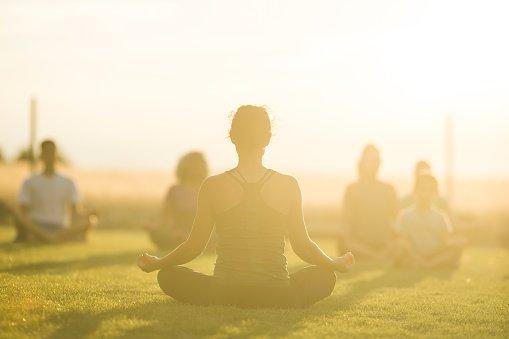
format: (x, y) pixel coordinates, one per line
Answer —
(253, 210)
(180, 202)
(370, 207)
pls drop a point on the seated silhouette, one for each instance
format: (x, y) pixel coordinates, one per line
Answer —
(252, 209)
(49, 206)
(180, 203)
(425, 233)
(369, 210)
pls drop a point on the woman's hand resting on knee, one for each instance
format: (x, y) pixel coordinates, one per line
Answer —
(149, 263)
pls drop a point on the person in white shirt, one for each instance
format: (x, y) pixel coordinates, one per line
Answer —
(426, 234)
(49, 204)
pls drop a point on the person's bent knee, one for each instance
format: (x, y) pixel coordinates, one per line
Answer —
(326, 278)
(315, 284)
(166, 279)
(329, 278)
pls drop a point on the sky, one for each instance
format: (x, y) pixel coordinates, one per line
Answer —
(134, 84)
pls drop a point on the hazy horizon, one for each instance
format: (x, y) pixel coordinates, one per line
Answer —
(136, 85)
(319, 190)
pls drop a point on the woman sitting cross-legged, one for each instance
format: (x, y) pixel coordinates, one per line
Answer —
(252, 208)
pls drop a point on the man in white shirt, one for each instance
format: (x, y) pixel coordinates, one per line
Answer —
(49, 204)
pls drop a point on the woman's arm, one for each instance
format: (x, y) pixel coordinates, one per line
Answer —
(194, 245)
(302, 245)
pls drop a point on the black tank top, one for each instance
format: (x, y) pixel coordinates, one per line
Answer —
(251, 239)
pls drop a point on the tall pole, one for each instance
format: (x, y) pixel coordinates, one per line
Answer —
(449, 160)
(33, 133)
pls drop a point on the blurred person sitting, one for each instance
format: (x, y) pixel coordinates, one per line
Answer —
(425, 233)
(49, 209)
(370, 207)
(179, 206)
(423, 167)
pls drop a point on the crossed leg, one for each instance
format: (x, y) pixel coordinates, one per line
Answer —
(307, 286)
(28, 231)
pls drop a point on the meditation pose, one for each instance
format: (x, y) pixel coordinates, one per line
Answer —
(180, 202)
(49, 205)
(253, 209)
(370, 207)
(425, 231)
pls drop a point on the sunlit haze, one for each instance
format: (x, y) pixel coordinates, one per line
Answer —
(136, 85)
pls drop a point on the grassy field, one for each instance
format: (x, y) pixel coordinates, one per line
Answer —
(94, 290)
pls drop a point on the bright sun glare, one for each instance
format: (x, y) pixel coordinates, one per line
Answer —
(145, 82)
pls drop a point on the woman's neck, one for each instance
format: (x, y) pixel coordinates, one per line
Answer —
(251, 163)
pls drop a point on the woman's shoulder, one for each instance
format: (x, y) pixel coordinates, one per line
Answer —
(215, 181)
(175, 188)
(285, 183)
(173, 191)
(276, 177)
(226, 177)
(284, 178)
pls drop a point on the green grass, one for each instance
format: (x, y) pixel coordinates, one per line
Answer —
(93, 289)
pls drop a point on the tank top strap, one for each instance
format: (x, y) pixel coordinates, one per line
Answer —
(265, 178)
(241, 180)
(237, 177)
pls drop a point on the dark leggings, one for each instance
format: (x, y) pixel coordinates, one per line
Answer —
(307, 286)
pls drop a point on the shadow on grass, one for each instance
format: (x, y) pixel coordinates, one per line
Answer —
(169, 318)
(390, 278)
(89, 262)
(11, 246)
